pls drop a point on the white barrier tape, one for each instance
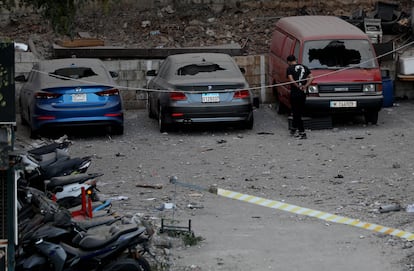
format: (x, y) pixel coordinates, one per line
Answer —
(314, 213)
(251, 88)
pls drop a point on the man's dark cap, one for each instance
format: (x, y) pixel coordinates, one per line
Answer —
(291, 58)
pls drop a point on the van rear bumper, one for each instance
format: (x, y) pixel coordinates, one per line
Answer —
(324, 104)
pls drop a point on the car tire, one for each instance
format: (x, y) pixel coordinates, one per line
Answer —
(280, 107)
(151, 114)
(117, 129)
(22, 119)
(34, 134)
(164, 127)
(371, 117)
(248, 124)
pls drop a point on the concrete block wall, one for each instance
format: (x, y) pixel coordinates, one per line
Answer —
(132, 79)
(255, 67)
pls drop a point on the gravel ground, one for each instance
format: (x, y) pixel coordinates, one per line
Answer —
(350, 170)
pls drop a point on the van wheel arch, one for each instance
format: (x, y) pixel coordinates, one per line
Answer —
(280, 107)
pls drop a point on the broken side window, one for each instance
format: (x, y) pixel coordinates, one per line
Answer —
(73, 73)
(194, 69)
(332, 54)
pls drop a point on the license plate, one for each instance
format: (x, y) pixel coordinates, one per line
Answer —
(210, 98)
(337, 104)
(76, 98)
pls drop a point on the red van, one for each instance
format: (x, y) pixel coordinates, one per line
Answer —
(347, 77)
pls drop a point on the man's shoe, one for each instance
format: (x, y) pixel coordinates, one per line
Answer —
(293, 132)
(302, 136)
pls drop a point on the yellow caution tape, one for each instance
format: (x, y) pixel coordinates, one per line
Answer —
(314, 213)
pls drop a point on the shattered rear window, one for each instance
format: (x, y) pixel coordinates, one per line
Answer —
(194, 69)
(332, 54)
(73, 73)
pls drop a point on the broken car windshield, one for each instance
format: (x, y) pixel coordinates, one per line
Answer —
(331, 54)
(73, 73)
(194, 69)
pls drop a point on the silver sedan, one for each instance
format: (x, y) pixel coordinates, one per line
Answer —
(199, 88)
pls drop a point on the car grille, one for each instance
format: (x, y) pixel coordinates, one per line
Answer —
(337, 88)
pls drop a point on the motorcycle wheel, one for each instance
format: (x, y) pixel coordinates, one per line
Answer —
(144, 264)
(128, 265)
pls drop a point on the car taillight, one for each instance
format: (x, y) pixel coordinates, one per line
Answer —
(46, 95)
(177, 96)
(45, 117)
(241, 94)
(108, 92)
(113, 115)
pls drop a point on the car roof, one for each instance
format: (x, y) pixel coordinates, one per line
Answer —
(44, 80)
(231, 70)
(199, 57)
(322, 27)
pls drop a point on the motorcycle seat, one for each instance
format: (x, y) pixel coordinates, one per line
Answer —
(94, 241)
(52, 147)
(69, 179)
(64, 167)
(94, 222)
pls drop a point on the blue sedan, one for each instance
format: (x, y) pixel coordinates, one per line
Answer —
(70, 92)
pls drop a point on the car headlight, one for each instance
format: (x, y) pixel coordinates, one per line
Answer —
(368, 88)
(313, 89)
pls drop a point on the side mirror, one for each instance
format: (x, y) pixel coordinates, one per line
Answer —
(151, 73)
(243, 70)
(20, 78)
(113, 74)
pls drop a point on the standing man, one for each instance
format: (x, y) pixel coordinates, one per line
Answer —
(300, 77)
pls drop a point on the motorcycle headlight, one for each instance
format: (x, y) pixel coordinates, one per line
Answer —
(313, 89)
(368, 88)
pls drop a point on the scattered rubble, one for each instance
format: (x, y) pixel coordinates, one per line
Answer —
(248, 23)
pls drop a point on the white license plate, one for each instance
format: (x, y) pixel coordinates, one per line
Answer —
(337, 104)
(210, 98)
(76, 98)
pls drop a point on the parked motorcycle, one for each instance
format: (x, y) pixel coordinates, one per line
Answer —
(67, 190)
(62, 224)
(60, 167)
(115, 248)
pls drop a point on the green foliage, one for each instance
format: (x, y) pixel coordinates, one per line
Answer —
(191, 240)
(61, 13)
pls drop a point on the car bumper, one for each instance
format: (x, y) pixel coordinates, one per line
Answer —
(362, 104)
(103, 116)
(209, 114)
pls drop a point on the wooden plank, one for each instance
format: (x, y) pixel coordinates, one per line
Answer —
(117, 52)
(403, 77)
(84, 42)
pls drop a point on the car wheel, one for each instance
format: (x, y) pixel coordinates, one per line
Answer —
(23, 120)
(371, 117)
(280, 107)
(161, 120)
(116, 129)
(248, 124)
(150, 111)
(34, 134)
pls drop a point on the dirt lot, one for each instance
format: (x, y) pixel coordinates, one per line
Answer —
(350, 170)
